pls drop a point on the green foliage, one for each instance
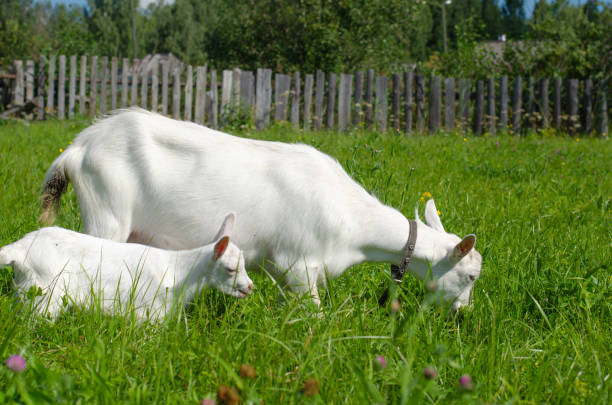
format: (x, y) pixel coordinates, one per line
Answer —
(539, 330)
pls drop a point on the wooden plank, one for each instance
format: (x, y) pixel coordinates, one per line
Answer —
(545, 106)
(503, 103)
(103, 82)
(154, 87)
(308, 86)
(263, 98)
(235, 96)
(369, 97)
(358, 100)
(344, 101)
(572, 105)
(465, 94)
(41, 82)
(165, 72)
(176, 93)
(602, 124)
(19, 86)
(29, 80)
(124, 82)
(114, 88)
(319, 97)
(381, 103)
(331, 101)
(282, 85)
(144, 87)
(531, 103)
(93, 86)
(72, 86)
(200, 96)
(491, 106)
(408, 79)
(395, 97)
(212, 101)
(587, 104)
(295, 100)
(435, 103)
(517, 105)
(226, 95)
(188, 93)
(83, 86)
(557, 96)
(419, 97)
(247, 89)
(135, 77)
(478, 108)
(449, 103)
(51, 88)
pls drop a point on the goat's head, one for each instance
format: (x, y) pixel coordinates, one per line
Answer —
(455, 264)
(228, 274)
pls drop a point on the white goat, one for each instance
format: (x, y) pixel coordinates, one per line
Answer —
(74, 268)
(143, 177)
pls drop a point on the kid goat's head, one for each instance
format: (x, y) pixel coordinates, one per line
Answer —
(455, 264)
(229, 275)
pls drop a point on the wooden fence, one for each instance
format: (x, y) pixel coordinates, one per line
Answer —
(407, 102)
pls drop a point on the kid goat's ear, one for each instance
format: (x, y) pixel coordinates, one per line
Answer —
(431, 216)
(220, 247)
(464, 247)
(227, 227)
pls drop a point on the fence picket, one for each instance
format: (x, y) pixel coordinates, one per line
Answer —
(395, 97)
(114, 88)
(103, 80)
(282, 85)
(51, 88)
(381, 110)
(295, 100)
(491, 105)
(369, 93)
(331, 101)
(503, 103)
(200, 95)
(319, 96)
(602, 129)
(435, 103)
(308, 85)
(154, 86)
(124, 82)
(226, 95)
(93, 85)
(408, 78)
(358, 101)
(83, 86)
(176, 92)
(212, 101)
(29, 80)
(19, 82)
(247, 89)
(188, 93)
(344, 102)
(517, 102)
(478, 108)
(449, 105)
(165, 68)
(419, 97)
(263, 98)
(588, 106)
(135, 76)
(545, 109)
(465, 93)
(72, 86)
(557, 97)
(572, 106)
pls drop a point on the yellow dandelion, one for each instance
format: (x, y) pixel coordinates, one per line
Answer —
(427, 194)
(577, 139)
(61, 150)
(439, 213)
(422, 199)
(464, 139)
(562, 163)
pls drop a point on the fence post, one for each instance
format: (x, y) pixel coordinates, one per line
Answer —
(369, 97)
(603, 109)
(135, 76)
(517, 99)
(381, 103)
(588, 106)
(358, 100)
(282, 85)
(72, 86)
(29, 80)
(188, 93)
(395, 96)
(530, 103)
(295, 100)
(176, 93)
(18, 98)
(235, 94)
(103, 80)
(545, 111)
(154, 86)
(93, 85)
(449, 105)
(344, 102)
(478, 108)
(308, 85)
(319, 96)
(40, 87)
(213, 101)
(420, 101)
(435, 103)
(226, 95)
(83, 86)
(247, 89)
(114, 87)
(464, 101)
(408, 77)
(144, 86)
(557, 96)
(200, 96)
(503, 103)
(165, 81)
(331, 100)
(491, 106)
(263, 98)
(124, 82)
(572, 106)
(51, 88)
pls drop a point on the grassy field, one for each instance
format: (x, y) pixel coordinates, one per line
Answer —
(539, 331)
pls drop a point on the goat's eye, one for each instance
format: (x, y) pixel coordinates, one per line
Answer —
(230, 271)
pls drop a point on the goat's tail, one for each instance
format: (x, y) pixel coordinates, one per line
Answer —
(55, 184)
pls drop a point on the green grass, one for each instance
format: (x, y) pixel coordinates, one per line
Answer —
(539, 331)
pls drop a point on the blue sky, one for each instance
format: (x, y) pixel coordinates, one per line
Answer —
(143, 3)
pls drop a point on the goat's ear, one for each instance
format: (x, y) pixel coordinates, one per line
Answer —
(220, 247)
(464, 247)
(431, 216)
(227, 227)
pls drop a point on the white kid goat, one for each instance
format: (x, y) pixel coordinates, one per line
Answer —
(74, 268)
(143, 177)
